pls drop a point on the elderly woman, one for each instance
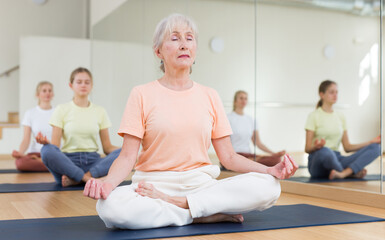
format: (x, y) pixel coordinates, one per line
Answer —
(175, 118)
(325, 131)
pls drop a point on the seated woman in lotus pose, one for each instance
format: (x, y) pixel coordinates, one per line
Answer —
(175, 119)
(79, 123)
(245, 129)
(35, 120)
(325, 130)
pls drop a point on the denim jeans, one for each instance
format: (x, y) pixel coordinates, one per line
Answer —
(322, 161)
(75, 165)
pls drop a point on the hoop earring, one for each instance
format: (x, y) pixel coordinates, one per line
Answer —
(161, 61)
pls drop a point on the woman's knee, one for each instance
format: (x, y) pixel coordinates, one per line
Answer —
(324, 156)
(108, 212)
(48, 152)
(114, 154)
(325, 153)
(115, 211)
(375, 147)
(269, 190)
(274, 188)
(20, 163)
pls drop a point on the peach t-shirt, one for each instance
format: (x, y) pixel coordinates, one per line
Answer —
(176, 127)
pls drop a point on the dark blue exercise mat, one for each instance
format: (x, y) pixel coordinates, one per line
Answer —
(224, 169)
(9, 171)
(17, 171)
(91, 227)
(41, 187)
(374, 177)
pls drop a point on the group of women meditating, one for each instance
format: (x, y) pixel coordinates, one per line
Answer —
(325, 131)
(175, 120)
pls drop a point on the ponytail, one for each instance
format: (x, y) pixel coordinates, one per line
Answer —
(323, 87)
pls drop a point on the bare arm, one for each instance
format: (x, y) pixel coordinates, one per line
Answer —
(119, 170)
(106, 143)
(348, 147)
(26, 140)
(24, 143)
(257, 142)
(233, 161)
(309, 146)
(57, 133)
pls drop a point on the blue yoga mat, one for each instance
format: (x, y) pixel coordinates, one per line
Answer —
(16, 171)
(41, 187)
(91, 227)
(374, 177)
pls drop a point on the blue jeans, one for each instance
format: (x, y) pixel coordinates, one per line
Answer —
(322, 161)
(74, 165)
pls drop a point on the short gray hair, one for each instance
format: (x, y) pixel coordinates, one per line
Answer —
(166, 25)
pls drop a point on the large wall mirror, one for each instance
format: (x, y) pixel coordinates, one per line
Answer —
(278, 51)
(299, 45)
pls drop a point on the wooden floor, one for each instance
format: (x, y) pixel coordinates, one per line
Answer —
(72, 203)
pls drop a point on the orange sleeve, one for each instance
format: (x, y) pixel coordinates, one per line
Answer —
(133, 117)
(221, 125)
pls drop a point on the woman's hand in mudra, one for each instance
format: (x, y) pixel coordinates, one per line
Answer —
(97, 189)
(284, 169)
(40, 138)
(319, 143)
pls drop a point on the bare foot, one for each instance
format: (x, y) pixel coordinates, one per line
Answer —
(87, 176)
(220, 217)
(334, 174)
(361, 174)
(66, 181)
(148, 190)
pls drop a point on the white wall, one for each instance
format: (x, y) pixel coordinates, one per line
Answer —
(9, 88)
(290, 64)
(62, 18)
(51, 59)
(45, 58)
(116, 72)
(101, 8)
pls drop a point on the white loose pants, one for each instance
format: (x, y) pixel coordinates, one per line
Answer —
(126, 209)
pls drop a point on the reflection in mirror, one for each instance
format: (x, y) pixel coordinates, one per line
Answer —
(299, 45)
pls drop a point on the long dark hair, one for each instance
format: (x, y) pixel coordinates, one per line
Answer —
(323, 87)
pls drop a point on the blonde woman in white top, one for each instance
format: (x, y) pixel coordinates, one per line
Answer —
(245, 130)
(35, 120)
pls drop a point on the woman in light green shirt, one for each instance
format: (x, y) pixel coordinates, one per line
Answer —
(80, 123)
(325, 130)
